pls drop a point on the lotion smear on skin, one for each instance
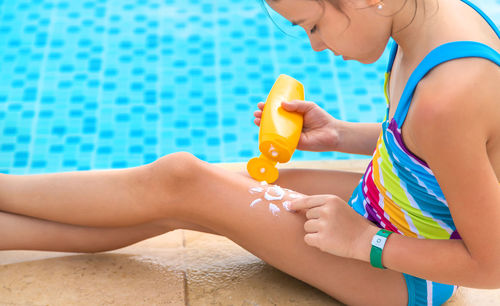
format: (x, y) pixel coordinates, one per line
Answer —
(274, 209)
(255, 202)
(256, 190)
(273, 193)
(286, 205)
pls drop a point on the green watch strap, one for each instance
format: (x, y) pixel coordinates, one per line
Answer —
(378, 243)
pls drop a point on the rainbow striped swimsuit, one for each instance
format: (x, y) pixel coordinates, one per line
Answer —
(399, 191)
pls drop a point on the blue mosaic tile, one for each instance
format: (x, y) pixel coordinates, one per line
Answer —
(84, 86)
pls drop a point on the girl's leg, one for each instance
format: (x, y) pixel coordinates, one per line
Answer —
(314, 181)
(106, 198)
(27, 233)
(114, 198)
(183, 188)
(220, 200)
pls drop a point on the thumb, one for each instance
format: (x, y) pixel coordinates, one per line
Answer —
(297, 106)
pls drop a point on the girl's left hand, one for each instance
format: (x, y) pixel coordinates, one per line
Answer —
(334, 227)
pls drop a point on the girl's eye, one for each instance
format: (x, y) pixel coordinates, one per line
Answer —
(314, 29)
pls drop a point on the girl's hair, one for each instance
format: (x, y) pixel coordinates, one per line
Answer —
(338, 5)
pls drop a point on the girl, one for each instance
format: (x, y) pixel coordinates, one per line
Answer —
(434, 173)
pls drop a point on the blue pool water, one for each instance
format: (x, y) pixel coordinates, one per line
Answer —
(117, 83)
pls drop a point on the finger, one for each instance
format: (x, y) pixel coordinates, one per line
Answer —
(313, 213)
(297, 106)
(312, 239)
(312, 226)
(307, 202)
(257, 114)
(261, 105)
(257, 121)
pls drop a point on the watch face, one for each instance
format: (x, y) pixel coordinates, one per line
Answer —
(378, 241)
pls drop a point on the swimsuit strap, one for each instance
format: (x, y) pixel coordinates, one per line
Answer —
(394, 48)
(442, 54)
(392, 56)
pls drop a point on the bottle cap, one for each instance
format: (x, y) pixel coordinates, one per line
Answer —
(263, 169)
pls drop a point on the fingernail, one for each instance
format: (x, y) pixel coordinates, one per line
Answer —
(287, 205)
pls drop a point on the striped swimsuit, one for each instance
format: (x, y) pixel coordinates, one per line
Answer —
(399, 191)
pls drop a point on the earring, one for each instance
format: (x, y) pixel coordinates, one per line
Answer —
(380, 5)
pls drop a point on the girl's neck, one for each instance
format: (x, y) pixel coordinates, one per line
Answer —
(414, 26)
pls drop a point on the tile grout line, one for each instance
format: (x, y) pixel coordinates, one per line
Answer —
(184, 272)
(218, 84)
(41, 82)
(100, 110)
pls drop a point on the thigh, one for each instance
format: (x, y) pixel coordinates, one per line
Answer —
(231, 205)
(315, 181)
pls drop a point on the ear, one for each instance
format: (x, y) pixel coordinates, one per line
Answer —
(373, 3)
(364, 3)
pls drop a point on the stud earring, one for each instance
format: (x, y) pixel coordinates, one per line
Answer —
(380, 5)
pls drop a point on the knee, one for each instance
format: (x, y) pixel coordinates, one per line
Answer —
(176, 169)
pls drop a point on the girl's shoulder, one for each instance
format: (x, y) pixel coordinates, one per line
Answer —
(457, 97)
(458, 83)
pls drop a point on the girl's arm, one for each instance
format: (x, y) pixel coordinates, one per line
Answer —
(450, 126)
(323, 132)
(358, 138)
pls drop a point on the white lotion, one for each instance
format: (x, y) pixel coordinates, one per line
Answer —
(286, 205)
(255, 190)
(277, 193)
(271, 148)
(296, 196)
(274, 209)
(255, 202)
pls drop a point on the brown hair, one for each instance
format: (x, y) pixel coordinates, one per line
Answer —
(337, 4)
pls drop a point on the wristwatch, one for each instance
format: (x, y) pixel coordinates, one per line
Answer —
(378, 243)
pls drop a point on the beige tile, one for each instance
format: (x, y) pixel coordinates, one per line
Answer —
(219, 272)
(100, 279)
(11, 257)
(473, 297)
(150, 272)
(169, 240)
(346, 165)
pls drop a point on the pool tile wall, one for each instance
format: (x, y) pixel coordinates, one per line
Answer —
(99, 84)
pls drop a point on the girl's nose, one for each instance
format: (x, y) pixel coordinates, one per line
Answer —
(317, 44)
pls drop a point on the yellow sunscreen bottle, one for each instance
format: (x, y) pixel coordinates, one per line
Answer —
(279, 130)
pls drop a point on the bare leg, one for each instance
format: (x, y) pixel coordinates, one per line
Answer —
(313, 181)
(220, 200)
(107, 198)
(188, 190)
(27, 233)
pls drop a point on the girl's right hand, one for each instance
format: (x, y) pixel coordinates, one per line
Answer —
(320, 131)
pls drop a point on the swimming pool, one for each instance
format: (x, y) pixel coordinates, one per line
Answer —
(117, 83)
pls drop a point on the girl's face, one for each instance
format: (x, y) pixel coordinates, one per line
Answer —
(359, 32)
